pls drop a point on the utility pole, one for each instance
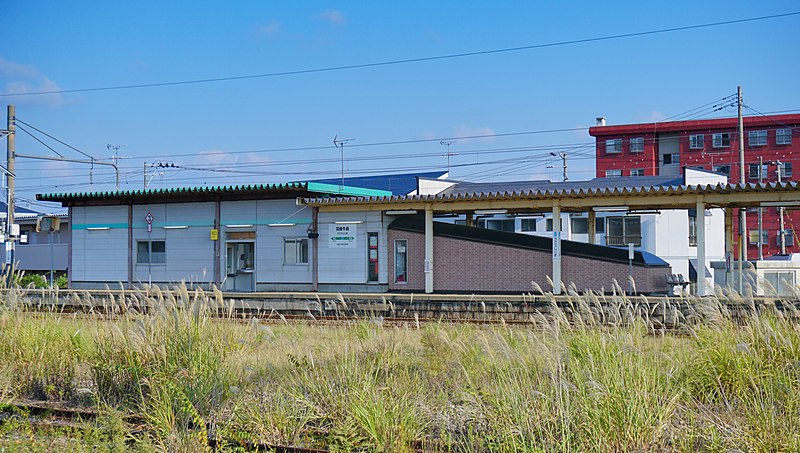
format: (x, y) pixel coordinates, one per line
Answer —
(563, 157)
(742, 211)
(145, 176)
(339, 143)
(761, 210)
(11, 148)
(782, 234)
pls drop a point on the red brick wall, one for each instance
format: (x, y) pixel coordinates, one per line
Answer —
(461, 265)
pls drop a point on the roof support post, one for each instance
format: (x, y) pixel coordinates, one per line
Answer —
(728, 247)
(130, 243)
(217, 246)
(314, 248)
(701, 247)
(592, 231)
(428, 249)
(556, 248)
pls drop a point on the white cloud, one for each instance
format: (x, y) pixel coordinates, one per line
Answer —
(480, 133)
(21, 79)
(334, 16)
(269, 29)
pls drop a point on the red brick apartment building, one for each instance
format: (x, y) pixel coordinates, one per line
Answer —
(772, 150)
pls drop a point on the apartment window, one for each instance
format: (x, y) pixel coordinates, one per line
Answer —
(786, 169)
(721, 140)
(401, 261)
(549, 225)
(671, 159)
(753, 173)
(613, 173)
(788, 236)
(783, 136)
(624, 230)
(637, 145)
(527, 225)
(614, 146)
(295, 251)
(724, 169)
(637, 171)
(757, 138)
(697, 141)
(151, 252)
(500, 224)
(753, 237)
(579, 225)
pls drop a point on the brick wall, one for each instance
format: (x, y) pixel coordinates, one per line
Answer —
(462, 265)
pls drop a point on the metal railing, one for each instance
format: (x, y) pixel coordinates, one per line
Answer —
(619, 241)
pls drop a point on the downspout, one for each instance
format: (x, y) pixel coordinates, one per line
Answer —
(217, 264)
(69, 247)
(315, 248)
(130, 244)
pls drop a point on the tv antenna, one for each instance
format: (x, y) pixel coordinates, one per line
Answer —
(447, 143)
(339, 143)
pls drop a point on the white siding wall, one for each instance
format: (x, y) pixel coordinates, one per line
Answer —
(270, 266)
(100, 255)
(349, 265)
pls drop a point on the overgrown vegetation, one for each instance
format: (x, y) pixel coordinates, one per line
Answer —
(555, 385)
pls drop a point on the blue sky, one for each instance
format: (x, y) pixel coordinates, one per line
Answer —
(243, 125)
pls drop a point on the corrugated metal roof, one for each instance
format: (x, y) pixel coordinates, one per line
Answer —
(554, 192)
(211, 190)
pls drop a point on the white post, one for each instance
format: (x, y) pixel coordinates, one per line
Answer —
(428, 249)
(701, 248)
(556, 248)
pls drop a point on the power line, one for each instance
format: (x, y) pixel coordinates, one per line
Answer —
(407, 60)
(53, 138)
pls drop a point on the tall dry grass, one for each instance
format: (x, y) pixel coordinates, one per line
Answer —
(603, 375)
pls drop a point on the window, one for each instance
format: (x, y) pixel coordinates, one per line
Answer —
(372, 257)
(527, 225)
(614, 146)
(753, 173)
(579, 225)
(549, 225)
(721, 140)
(671, 159)
(724, 169)
(295, 251)
(600, 225)
(401, 261)
(753, 237)
(637, 171)
(697, 141)
(757, 138)
(783, 136)
(692, 230)
(637, 145)
(613, 173)
(788, 236)
(785, 169)
(624, 230)
(500, 224)
(151, 252)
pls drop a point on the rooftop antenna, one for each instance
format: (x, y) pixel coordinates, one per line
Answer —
(563, 157)
(447, 143)
(339, 143)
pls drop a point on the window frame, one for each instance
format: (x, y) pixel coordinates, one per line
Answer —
(761, 135)
(719, 139)
(396, 254)
(299, 250)
(637, 171)
(529, 221)
(149, 253)
(636, 145)
(694, 139)
(786, 170)
(764, 171)
(672, 160)
(613, 173)
(573, 221)
(626, 223)
(753, 234)
(783, 136)
(614, 146)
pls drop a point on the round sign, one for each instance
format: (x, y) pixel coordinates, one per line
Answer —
(149, 218)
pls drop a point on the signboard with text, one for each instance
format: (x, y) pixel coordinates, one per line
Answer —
(342, 236)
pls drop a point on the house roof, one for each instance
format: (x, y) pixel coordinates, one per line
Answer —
(283, 190)
(401, 184)
(462, 188)
(17, 209)
(416, 224)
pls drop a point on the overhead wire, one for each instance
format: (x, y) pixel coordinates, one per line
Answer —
(406, 60)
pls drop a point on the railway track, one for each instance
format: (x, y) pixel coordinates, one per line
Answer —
(48, 415)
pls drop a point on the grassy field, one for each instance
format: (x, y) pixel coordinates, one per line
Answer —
(366, 386)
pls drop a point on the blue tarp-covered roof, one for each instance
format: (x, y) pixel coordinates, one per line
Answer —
(402, 184)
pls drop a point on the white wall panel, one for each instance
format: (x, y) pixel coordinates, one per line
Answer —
(100, 255)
